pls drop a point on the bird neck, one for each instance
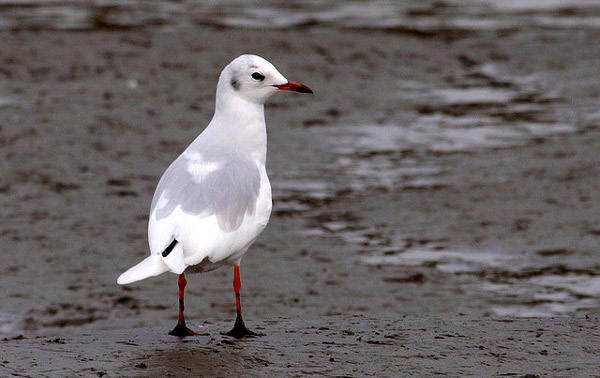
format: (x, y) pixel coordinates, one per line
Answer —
(241, 126)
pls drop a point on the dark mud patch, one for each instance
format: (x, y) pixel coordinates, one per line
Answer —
(555, 252)
(411, 278)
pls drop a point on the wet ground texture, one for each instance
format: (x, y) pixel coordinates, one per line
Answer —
(442, 170)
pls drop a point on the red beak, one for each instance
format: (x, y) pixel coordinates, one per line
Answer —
(293, 86)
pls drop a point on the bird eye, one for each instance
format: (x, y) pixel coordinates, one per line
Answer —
(258, 76)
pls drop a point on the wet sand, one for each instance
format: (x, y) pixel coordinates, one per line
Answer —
(89, 121)
(329, 346)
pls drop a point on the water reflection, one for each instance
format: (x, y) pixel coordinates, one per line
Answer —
(422, 17)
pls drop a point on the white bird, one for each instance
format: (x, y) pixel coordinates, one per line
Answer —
(214, 200)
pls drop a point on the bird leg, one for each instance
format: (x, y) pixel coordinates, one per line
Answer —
(239, 329)
(180, 329)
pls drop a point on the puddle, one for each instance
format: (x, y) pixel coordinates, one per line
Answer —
(358, 237)
(575, 284)
(446, 261)
(304, 189)
(299, 194)
(433, 133)
(488, 107)
(9, 101)
(517, 285)
(447, 134)
(396, 156)
(474, 95)
(425, 17)
(8, 323)
(537, 311)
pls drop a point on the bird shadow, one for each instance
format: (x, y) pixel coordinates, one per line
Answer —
(201, 356)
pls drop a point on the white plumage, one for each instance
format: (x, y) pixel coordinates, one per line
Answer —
(214, 200)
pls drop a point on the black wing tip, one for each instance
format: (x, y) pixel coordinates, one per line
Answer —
(168, 250)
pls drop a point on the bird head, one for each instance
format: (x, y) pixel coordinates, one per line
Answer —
(255, 79)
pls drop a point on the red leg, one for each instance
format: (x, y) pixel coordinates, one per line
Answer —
(180, 329)
(239, 329)
(237, 285)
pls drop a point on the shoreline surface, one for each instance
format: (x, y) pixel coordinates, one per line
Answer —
(328, 346)
(442, 179)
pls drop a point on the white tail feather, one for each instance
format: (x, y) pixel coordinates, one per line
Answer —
(149, 267)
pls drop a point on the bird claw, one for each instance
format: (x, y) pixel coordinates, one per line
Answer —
(239, 330)
(181, 330)
(239, 333)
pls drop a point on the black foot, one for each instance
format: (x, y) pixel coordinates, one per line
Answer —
(182, 331)
(239, 330)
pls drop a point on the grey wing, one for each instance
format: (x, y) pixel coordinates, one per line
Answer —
(229, 190)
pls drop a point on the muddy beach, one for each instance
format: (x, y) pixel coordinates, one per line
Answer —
(435, 202)
(326, 346)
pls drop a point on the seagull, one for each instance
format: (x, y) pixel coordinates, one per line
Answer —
(215, 199)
